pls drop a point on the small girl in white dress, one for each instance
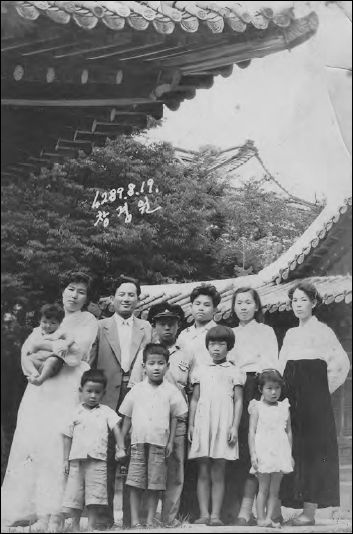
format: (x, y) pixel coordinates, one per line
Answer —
(270, 443)
(215, 411)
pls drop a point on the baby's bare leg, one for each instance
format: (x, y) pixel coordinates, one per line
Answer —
(33, 367)
(50, 368)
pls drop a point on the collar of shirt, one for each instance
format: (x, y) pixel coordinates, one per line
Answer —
(83, 407)
(223, 364)
(121, 321)
(249, 325)
(197, 331)
(162, 384)
(310, 323)
(173, 348)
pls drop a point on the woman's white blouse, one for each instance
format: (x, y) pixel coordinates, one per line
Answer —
(316, 340)
(256, 347)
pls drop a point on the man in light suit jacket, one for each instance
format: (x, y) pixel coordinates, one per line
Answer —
(119, 340)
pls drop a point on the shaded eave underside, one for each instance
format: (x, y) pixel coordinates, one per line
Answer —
(81, 87)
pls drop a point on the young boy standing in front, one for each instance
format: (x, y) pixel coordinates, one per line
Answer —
(85, 451)
(151, 409)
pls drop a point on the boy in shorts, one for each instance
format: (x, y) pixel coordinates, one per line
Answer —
(85, 451)
(151, 409)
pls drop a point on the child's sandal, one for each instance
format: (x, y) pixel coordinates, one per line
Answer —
(202, 521)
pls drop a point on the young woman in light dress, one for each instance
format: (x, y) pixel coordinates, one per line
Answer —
(34, 481)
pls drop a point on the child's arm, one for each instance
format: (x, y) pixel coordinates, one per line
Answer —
(120, 452)
(192, 410)
(67, 448)
(120, 440)
(254, 417)
(238, 408)
(169, 447)
(289, 434)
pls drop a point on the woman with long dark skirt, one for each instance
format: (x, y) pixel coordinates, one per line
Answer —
(314, 365)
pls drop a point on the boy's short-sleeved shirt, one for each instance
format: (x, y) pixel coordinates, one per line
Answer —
(89, 431)
(150, 408)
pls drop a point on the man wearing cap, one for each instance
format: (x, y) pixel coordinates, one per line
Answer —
(166, 320)
(119, 340)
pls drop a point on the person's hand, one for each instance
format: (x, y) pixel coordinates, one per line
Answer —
(66, 467)
(232, 436)
(69, 338)
(254, 462)
(120, 454)
(190, 432)
(169, 449)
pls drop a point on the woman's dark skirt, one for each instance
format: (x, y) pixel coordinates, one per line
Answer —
(315, 478)
(238, 472)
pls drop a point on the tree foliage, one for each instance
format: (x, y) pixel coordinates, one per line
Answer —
(200, 233)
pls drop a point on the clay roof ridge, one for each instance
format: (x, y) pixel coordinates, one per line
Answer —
(164, 15)
(310, 239)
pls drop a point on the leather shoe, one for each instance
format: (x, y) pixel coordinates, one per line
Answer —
(298, 522)
(279, 519)
(202, 521)
(241, 522)
(215, 522)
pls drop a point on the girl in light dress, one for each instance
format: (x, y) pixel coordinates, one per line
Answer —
(256, 348)
(33, 486)
(215, 411)
(270, 444)
(314, 365)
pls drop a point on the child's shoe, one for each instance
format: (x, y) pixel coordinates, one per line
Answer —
(173, 524)
(202, 521)
(264, 523)
(215, 522)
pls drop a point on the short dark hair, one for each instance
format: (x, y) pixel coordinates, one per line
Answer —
(221, 333)
(155, 348)
(128, 280)
(258, 316)
(307, 288)
(79, 277)
(269, 375)
(52, 311)
(208, 290)
(94, 375)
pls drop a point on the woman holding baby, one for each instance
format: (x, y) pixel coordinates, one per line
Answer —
(34, 480)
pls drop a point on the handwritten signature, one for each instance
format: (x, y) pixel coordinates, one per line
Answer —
(132, 191)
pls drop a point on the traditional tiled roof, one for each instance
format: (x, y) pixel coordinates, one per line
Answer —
(230, 159)
(330, 288)
(271, 282)
(164, 16)
(333, 289)
(327, 229)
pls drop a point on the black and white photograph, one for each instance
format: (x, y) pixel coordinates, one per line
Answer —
(176, 266)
